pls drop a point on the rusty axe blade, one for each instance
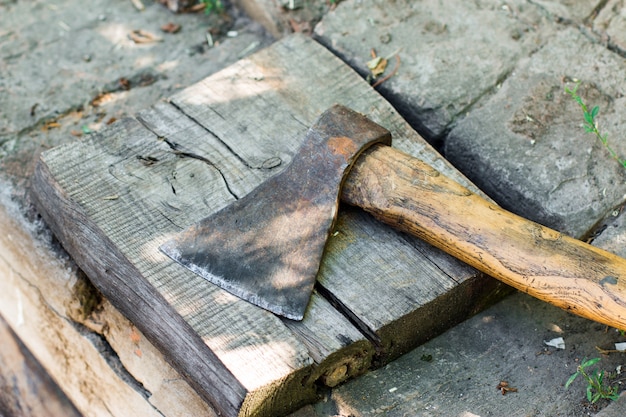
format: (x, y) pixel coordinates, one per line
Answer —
(267, 246)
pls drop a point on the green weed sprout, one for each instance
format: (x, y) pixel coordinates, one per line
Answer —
(591, 124)
(597, 387)
(211, 6)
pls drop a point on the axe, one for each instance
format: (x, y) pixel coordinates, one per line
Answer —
(267, 246)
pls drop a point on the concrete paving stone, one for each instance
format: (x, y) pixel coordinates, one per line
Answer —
(611, 234)
(87, 46)
(566, 10)
(610, 24)
(526, 148)
(457, 374)
(451, 53)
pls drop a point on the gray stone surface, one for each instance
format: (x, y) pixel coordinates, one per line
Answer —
(611, 233)
(610, 25)
(525, 146)
(452, 53)
(494, 74)
(457, 374)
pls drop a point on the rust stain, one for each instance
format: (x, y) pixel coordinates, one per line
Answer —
(342, 145)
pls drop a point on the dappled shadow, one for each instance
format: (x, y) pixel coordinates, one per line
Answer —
(267, 247)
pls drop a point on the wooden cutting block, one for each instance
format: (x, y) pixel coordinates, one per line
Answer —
(114, 197)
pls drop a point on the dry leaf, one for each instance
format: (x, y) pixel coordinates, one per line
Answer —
(377, 66)
(143, 36)
(101, 99)
(504, 387)
(171, 28)
(51, 124)
(124, 83)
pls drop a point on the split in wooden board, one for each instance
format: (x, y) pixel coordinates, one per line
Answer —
(113, 198)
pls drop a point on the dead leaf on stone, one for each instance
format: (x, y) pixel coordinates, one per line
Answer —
(391, 74)
(557, 342)
(101, 99)
(377, 66)
(171, 28)
(504, 387)
(300, 26)
(141, 36)
(196, 8)
(50, 124)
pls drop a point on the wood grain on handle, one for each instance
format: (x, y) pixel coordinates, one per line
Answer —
(414, 197)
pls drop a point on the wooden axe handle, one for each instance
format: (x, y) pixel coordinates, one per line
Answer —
(410, 195)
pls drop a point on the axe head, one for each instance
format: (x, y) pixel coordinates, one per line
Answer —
(267, 246)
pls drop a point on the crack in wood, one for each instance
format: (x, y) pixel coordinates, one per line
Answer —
(176, 148)
(111, 357)
(192, 155)
(352, 318)
(239, 158)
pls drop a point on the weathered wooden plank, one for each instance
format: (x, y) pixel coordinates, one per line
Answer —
(39, 296)
(404, 292)
(26, 389)
(271, 98)
(121, 212)
(115, 197)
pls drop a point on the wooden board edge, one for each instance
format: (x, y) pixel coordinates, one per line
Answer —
(152, 315)
(462, 302)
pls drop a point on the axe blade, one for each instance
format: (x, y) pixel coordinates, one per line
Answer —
(267, 247)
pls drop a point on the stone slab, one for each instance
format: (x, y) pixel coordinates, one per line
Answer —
(456, 56)
(610, 24)
(526, 147)
(451, 53)
(458, 374)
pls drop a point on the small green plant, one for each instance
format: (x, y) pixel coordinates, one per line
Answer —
(591, 124)
(211, 6)
(597, 387)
